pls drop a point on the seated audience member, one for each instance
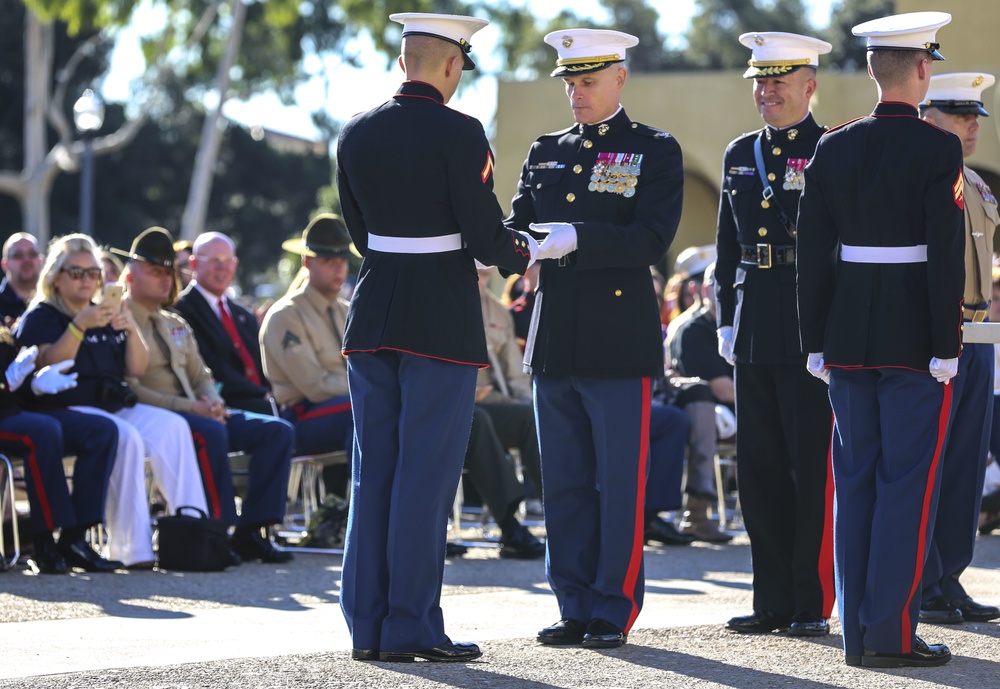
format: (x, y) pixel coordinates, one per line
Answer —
(301, 340)
(103, 341)
(177, 379)
(21, 262)
(227, 334)
(112, 266)
(505, 388)
(182, 259)
(38, 440)
(668, 432)
(989, 515)
(521, 304)
(693, 354)
(690, 265)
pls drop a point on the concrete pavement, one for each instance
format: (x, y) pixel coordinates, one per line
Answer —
(280, 626)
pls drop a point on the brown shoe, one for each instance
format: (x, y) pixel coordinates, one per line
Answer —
(698, 524)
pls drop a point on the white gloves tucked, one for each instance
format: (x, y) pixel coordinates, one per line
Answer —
(52, 379)
(943, 370)
(21, 367)
(561, 239)
(816, 366)
(726, 344)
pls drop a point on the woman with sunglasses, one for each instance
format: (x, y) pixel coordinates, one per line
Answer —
(103, 340)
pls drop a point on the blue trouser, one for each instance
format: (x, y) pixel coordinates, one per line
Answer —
(53, 433)
(668, 432)
(325, 426)
(891, 426)
(412, 416)
(963, 473)
(594, 438)
(269, 442)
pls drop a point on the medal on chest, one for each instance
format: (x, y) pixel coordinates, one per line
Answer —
(795, 176)
(986, 193)
(616, 173)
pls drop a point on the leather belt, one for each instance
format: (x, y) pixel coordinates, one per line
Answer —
(977, 313)
(415, 245)
(768, 255)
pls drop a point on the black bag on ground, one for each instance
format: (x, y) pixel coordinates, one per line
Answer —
(192, 543)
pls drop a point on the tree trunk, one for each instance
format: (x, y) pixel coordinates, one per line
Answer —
(39, 39)
(196, 210)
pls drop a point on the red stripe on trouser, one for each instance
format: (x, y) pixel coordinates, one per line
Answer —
(206, 474)
(918, 570)
(825, 565)
(31, 459)
(635, 561)
(317, 412)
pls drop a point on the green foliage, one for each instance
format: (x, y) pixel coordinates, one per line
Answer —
(84, 15)
(848, 52)
(717, 24)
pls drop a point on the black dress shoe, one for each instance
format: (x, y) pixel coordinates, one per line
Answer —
(939, 611)
(976, 612)
(565, 632)
(364, 654)
(234, 559)
(603, 634)
(808, 624)
(521, 545)
(760, 622)
(46, 559)
(250, 545)
(78, 553)
(660, 531)
(454, 549)
(448, 652)
(922, 655)
(852, 660)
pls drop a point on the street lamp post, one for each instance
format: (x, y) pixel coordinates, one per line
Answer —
(88, 115)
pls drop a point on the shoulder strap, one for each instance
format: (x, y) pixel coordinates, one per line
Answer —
(768, 194)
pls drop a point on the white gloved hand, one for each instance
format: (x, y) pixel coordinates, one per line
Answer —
(532, 247)
(816, 366)
(943, 370)
(561, 239)
(21, 367)
(52, 379)
(726, 344)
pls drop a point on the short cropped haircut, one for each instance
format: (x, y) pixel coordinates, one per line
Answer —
(894, 67)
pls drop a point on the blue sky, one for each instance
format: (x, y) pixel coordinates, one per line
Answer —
(356, 90)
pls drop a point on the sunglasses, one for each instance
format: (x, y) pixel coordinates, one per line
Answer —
(78, 273)
(24, 255)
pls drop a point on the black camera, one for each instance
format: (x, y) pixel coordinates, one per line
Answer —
(115, 392)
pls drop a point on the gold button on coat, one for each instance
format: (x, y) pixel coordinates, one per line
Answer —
(571, 197)
(577, 169)
(776, 151)
(618, 292)
(770, 177)
(762, 232)
(587, 143)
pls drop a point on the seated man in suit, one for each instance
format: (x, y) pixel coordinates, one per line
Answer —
(226, 332)
(177, 379)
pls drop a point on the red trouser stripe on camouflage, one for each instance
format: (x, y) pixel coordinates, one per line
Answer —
(918, 570)
(635, 562)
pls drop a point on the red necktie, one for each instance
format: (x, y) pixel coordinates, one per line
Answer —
(249, 366)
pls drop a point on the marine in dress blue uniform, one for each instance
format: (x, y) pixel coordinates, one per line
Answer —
(955, 102)
(880, 280)
(416, 186)
(783, 414)
(608, 193)
(38, 439)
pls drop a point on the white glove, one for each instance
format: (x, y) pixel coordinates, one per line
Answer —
(561, 239)
(726, 344)
(532, 247)
(816, 366)
(21, 367)
(943, 370)
(52, 379)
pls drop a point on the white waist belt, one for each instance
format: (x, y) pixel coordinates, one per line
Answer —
(415, 245)
(884, 254)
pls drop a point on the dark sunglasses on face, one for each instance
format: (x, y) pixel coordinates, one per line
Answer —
(24, 255)
(77, 273)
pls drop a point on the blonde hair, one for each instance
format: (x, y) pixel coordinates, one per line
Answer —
(59, 251)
